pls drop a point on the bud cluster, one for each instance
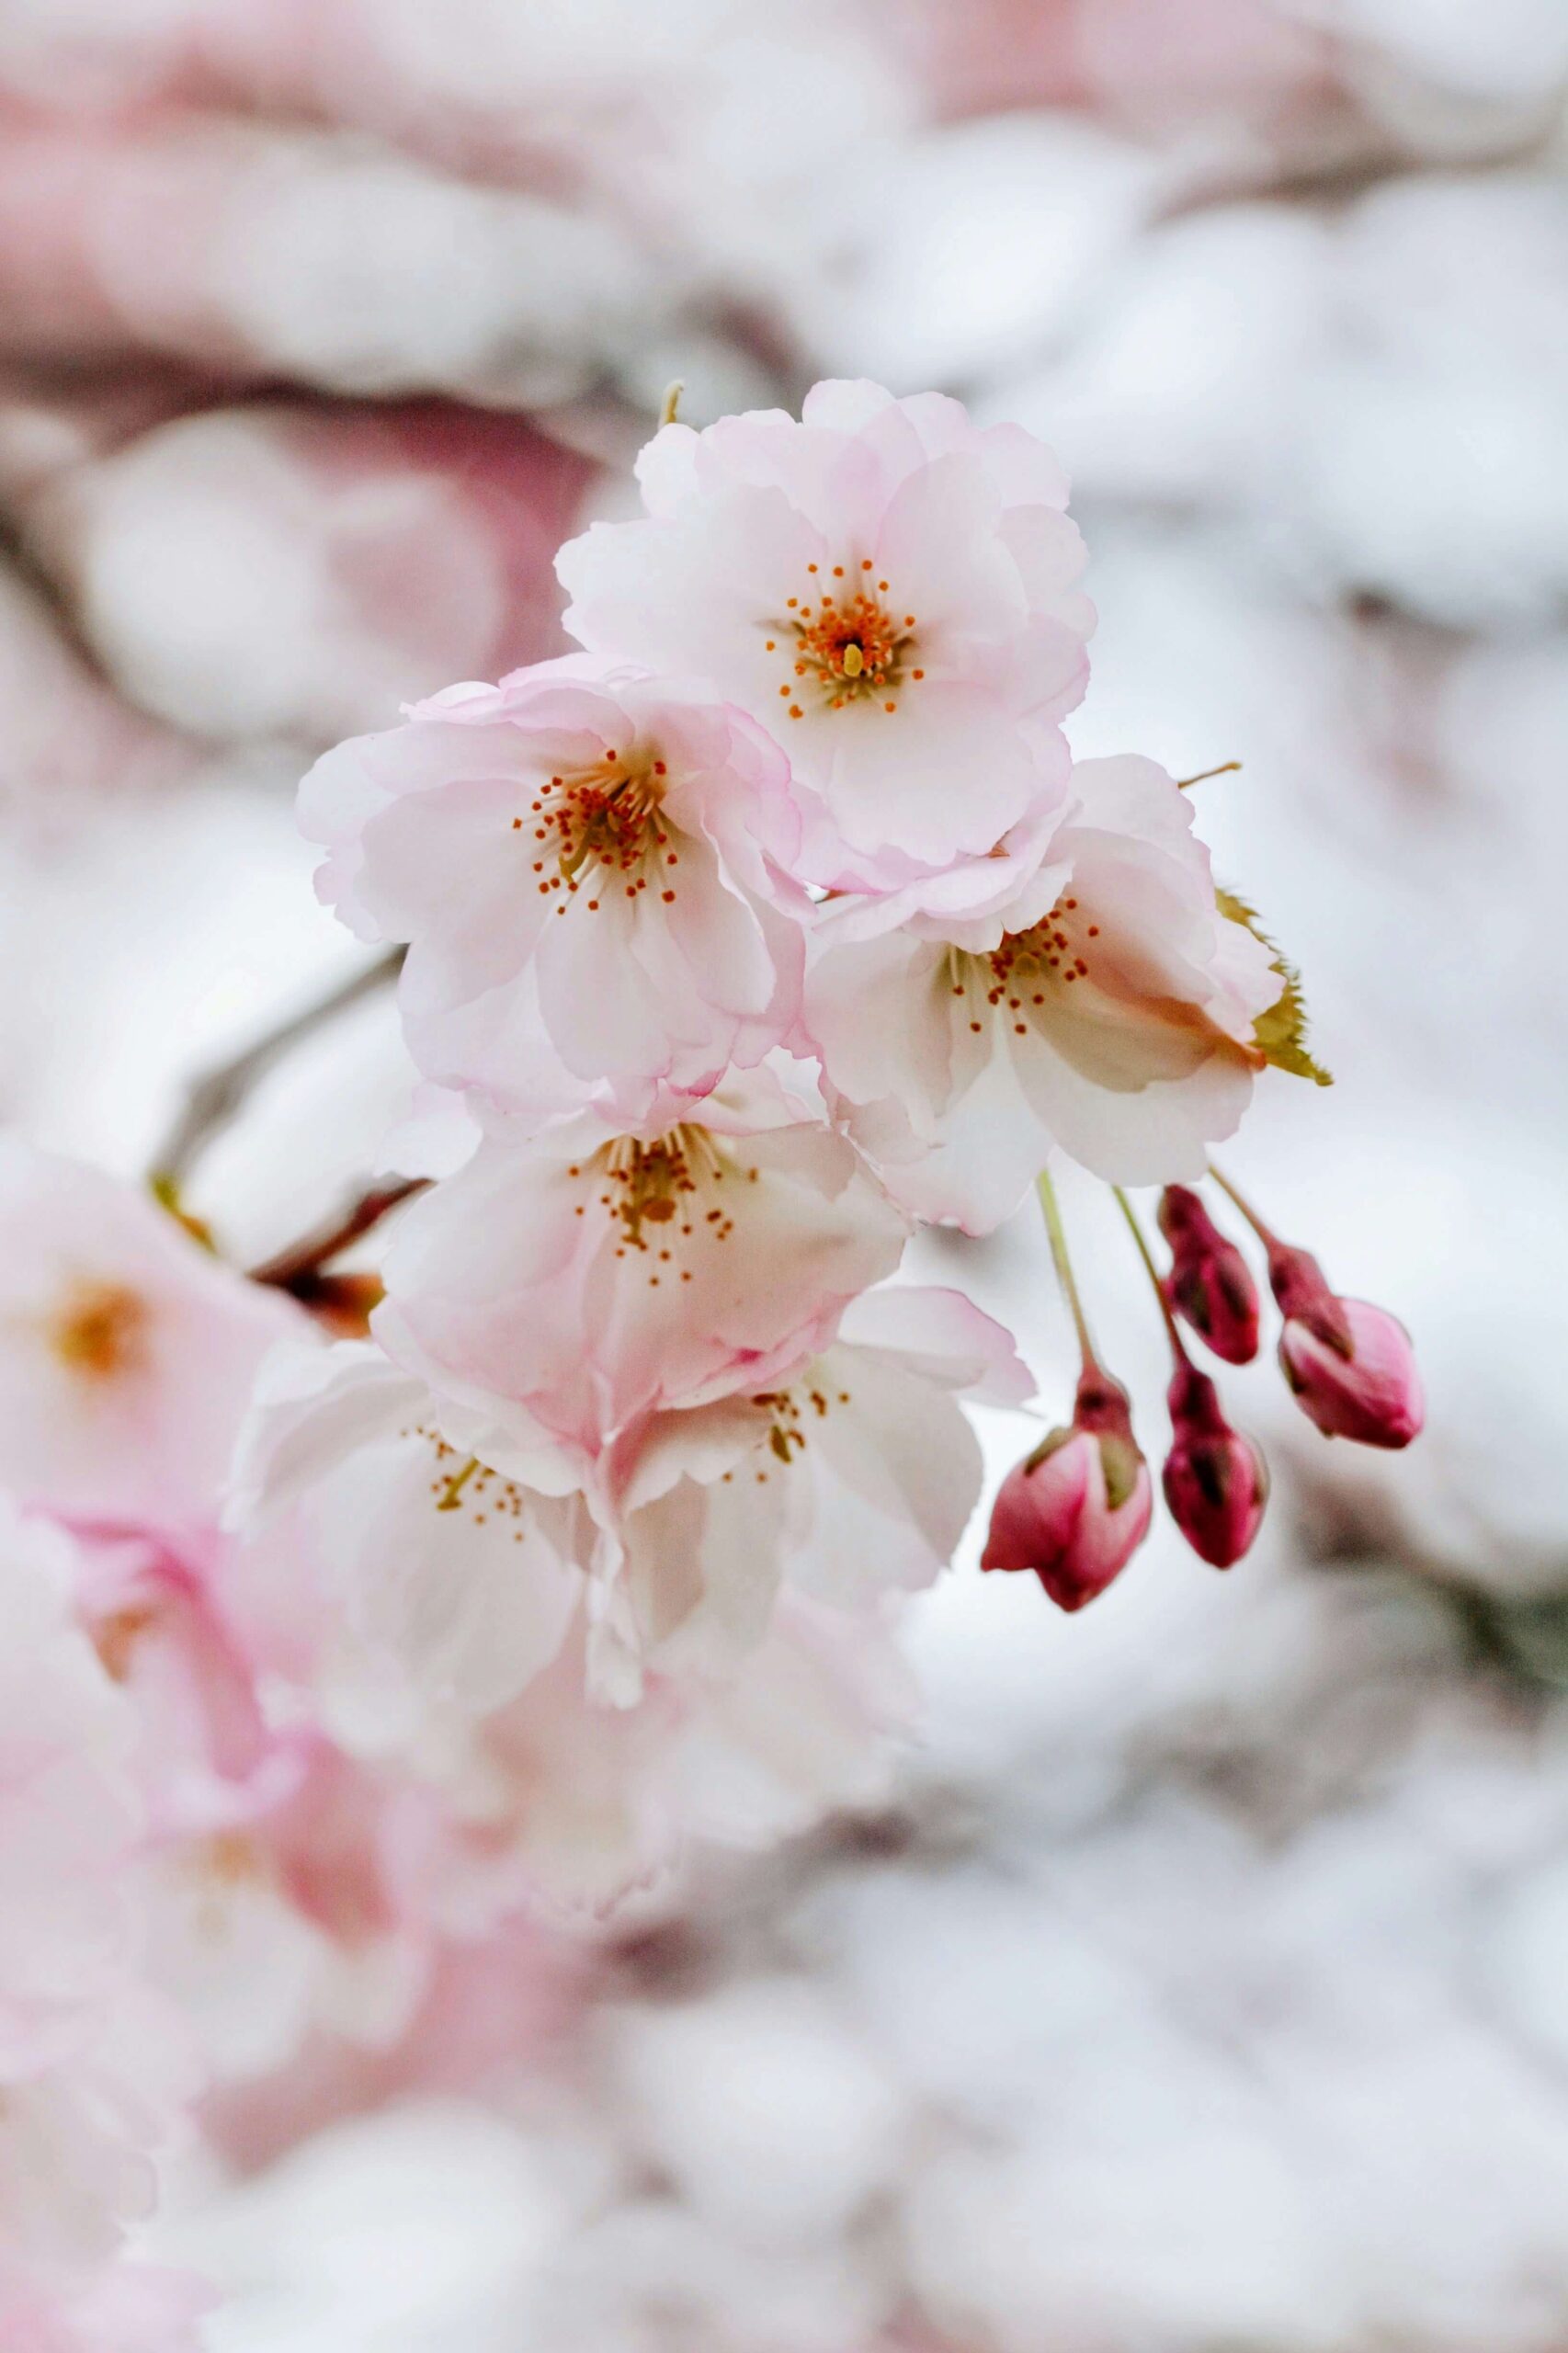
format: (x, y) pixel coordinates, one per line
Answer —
(1077, 1508)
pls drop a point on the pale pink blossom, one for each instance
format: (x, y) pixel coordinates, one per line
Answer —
(890, 590)
(557, 1802)
(93, 2067)
(69, 1816)
(847, 1477)
(204, 1757)
(564, 1286)
(426, 1554)
(126, 1349)
(131, 2308)
(1107, 1009)
(589, 867)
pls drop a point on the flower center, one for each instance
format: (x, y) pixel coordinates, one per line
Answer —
(601, 830)
(661, 1196)
(1020, 973)
(844, 644)
(100, 1330)
(462, 1482)
(791, 1411)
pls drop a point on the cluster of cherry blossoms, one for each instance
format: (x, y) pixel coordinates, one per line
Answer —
(346, 1616)
(776, 918)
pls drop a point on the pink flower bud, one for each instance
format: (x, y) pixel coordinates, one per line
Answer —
(1209, 1283)
(1350, 1365)
(1076, 1509)
(1215, 1480)
(1359, 1381)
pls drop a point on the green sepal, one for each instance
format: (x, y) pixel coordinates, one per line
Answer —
(1281, 1032)
(166, 1192)
(1120, 1462)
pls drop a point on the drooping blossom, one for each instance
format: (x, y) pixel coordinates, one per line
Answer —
(1107, 1006)
(850, 1475)
(567, 1285)
(1215, 1480)
(1209, 1283)
(126, 1349)
(590, 870)
(887, 588)
(1078, 1506)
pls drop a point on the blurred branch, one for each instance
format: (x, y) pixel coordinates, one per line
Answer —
(218, 1097)
(296, 1269)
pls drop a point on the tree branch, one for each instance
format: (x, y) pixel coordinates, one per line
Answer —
(216, 1099)
(298, 1267)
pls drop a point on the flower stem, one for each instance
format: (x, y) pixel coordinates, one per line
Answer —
(1152, 1271)
(1270, 1240)
(1064, 1265)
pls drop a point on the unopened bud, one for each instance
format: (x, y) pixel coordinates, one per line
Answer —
(1077, 1508)
(1216, 1482)
(1358, 1380)
(1209, 1283)
(1350, 1365)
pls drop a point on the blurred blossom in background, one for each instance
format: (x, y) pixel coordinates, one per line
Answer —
(1200, 1981)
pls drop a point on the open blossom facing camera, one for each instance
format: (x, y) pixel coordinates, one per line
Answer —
(568, 1284)
(889, 589)
(591, 870)
(127, 1351)
(1107, 1006)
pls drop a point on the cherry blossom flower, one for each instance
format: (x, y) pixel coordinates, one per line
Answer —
(590, 870)
(435, 1559)
(1108, 1008)
(564, 1286)
(852, 1474)
(92, 2066)
(68, 1815)
(888, 589)
(131, 2308)
(126, 1350)
(608, 1800)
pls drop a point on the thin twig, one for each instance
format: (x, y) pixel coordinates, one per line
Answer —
(1226, 767)
(216, 1099)
(295, 1265)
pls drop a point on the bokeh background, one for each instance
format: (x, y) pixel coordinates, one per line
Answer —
(1198, 1982)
